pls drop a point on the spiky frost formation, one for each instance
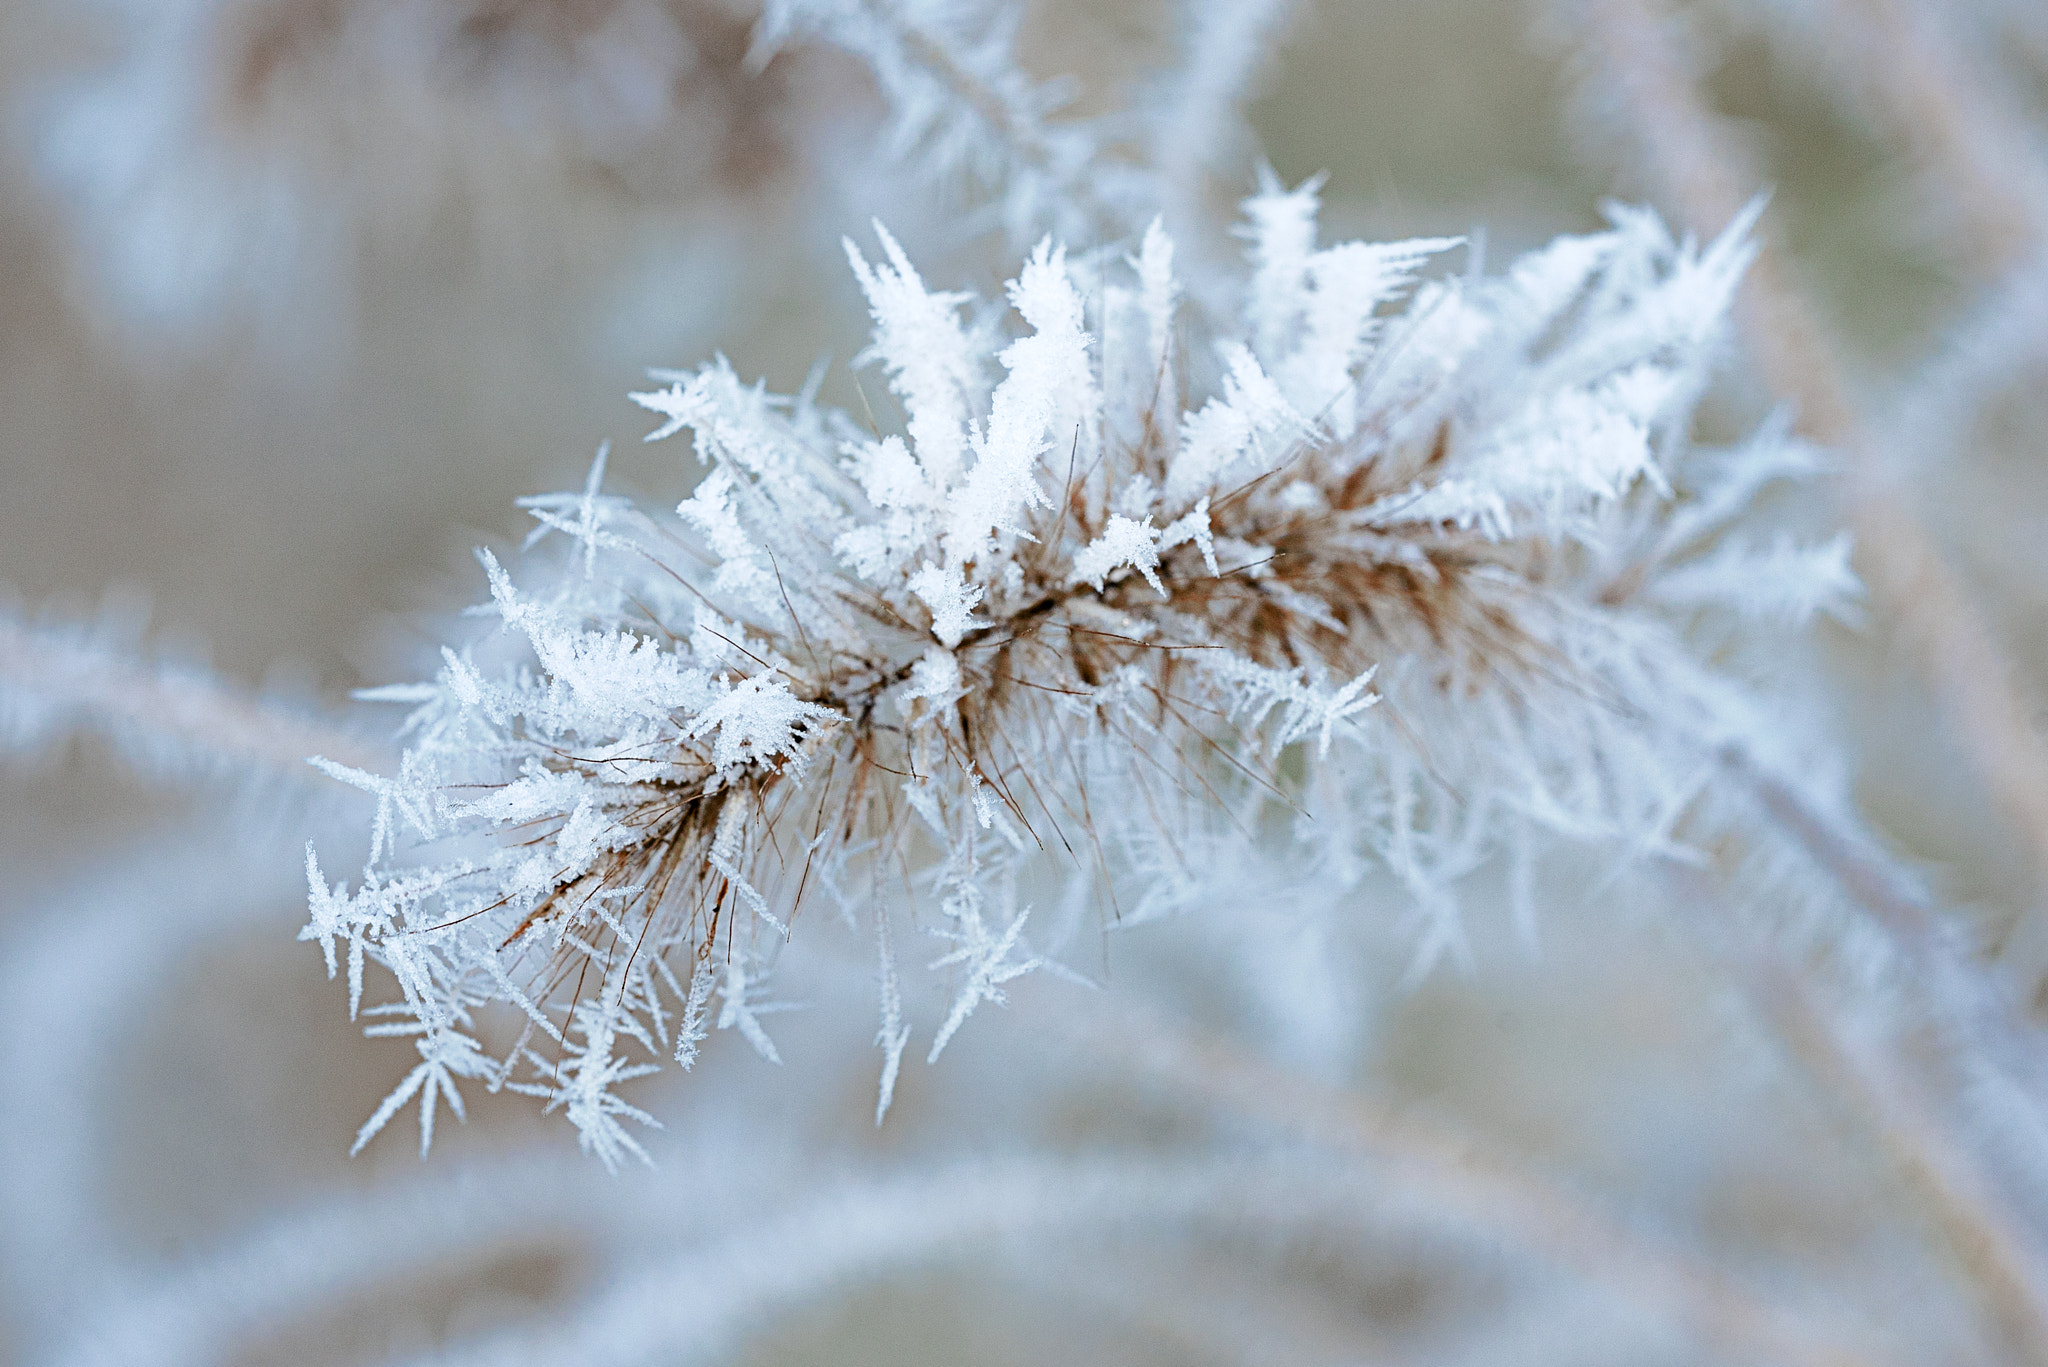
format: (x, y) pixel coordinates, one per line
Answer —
(1109, 605)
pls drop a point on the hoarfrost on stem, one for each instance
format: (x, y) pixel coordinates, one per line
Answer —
(1079, 612)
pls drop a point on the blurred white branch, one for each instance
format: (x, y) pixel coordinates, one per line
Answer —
(78, 977)
(176, 720)
(1495, 1194)
(1960, 123)
(1653, 97)
(699, 1305)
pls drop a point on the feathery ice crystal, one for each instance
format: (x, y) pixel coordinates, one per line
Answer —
(1110, 597)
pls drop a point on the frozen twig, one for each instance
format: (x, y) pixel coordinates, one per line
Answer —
(171, 718)
(1704, 174)
(961, 102)
(1199, 126)
(73, 973)
(1960, 124)
(2000, 1261)
(1999, 340)
(699, 1305)
(1865, 876)
(1702, 171)
(1073, 608)
(2005, 1271)
(1457, 1177)
(322, 1253)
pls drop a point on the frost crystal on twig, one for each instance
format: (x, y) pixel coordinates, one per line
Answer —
(1397, 561)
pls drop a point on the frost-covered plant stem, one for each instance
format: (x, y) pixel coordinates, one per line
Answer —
(1971, 1013)
(703, 1301)
(1976, 1011)
(1198, 129)
(2002, 337)
(1866, 878)
(332, 1250)
(1971, 143)
(58, 677)
(1409, 588)
(960, 103)
(1454, 1173)
(74, 973)
(1702, 173)
(2007, 1275)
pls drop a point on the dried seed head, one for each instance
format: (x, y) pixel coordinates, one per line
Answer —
(1064, 623)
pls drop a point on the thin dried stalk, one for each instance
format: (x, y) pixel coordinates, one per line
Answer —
(985, 104)
(1995, 1254)
(72, 975)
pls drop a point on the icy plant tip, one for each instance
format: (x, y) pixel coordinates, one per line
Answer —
(1107, 607)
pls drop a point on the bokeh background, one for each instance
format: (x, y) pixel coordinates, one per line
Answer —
(296, 297)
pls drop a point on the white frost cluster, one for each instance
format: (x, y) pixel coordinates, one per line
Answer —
(1128, 585)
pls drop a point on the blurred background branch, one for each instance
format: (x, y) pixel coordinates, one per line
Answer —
(299, 294)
